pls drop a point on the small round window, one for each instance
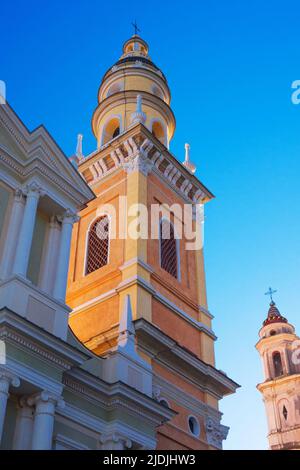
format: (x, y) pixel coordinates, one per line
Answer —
(194, 426)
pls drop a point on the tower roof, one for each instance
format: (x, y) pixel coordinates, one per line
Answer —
(274, 316)
(135, 51)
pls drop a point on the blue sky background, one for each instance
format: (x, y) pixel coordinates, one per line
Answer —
(230, 66)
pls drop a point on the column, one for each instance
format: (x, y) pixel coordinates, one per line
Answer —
(45, 405)
(49, 261)
(12, 232)
(286, 360)
(60, 284)
(265, 361)
(26, 231)
(24, 426)
(114, 441)
(6, 379)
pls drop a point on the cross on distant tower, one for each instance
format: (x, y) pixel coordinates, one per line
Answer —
(136, 29)
(270, 293)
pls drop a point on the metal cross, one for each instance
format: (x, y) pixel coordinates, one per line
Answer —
(136, 29)
(270, 293)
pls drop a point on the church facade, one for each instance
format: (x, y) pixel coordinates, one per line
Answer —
(279, 348)
(106, 339)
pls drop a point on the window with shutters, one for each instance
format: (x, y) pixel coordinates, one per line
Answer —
(98, 245)
(168, 248)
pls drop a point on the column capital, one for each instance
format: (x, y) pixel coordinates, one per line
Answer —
(7, 379)
(69, 217)
(53, 222)
(46, 397)
(33, 190)
(23, 402)
(19, 195)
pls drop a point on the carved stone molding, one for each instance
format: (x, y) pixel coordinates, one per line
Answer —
(215, 432)
(138, 163)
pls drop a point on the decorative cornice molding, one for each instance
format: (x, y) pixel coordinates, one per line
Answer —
(24, 170)
(137, 149)
(213, 380)
(17, 330)
(215, 432)
(165, 389)
(41, 153)
(116, 396)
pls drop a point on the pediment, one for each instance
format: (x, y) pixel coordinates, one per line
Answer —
(9, 143)
(37, 148)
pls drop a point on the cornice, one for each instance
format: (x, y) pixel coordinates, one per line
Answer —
(284, 380)
(170, 352)
(135, 71)
(129, 96)
(39, 145)
(35, 165)
(116, 395)
(139, 141)
(29, 337)
(169, 390)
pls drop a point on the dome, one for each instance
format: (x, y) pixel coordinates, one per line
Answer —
(134, 80)
(274, 316)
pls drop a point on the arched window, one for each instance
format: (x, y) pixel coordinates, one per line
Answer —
(111, 130)
(158, 132)
(278, 369)
(98, 245)
(168, 248)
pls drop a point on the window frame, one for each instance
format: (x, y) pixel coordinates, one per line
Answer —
(99, 216)
(177, 244)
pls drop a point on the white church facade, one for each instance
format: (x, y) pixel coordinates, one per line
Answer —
(54, 393)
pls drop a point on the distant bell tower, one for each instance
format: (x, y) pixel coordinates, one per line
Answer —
(279, 348)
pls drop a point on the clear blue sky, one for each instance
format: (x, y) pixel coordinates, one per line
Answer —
(230, 66)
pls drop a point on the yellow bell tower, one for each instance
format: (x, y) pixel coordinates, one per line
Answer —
(159, 280)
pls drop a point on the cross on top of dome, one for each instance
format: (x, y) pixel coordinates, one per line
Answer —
(274, 316)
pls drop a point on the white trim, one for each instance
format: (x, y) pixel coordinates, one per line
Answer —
(96, 300)
(97, 424)
(34, 377)
(67, 443)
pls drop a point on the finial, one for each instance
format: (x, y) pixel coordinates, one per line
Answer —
(270, 292)
(136, 29)
(187, 162)
(126, 329)
(138, 116)
(79, 153)
(78, 157)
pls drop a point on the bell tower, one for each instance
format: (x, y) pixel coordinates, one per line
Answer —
(130, 248)
(279, 348)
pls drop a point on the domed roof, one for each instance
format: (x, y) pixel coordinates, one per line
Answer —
(274, 316)
(135, 53)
